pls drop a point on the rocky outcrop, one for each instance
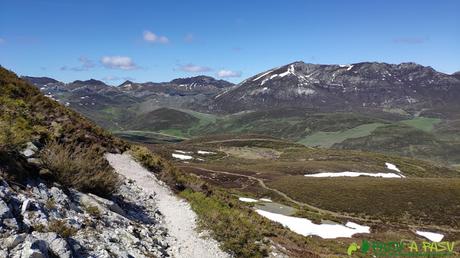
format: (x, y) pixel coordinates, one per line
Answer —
(48, 221)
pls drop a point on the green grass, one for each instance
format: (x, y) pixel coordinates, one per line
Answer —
(423, 123)
(327, 139)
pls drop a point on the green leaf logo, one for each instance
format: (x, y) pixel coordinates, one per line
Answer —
(365, 246)
(352, 248)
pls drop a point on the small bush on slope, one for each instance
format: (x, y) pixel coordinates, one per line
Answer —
(82, 168)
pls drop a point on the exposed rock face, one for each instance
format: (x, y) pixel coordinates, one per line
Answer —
(43, 221)
(339, 87)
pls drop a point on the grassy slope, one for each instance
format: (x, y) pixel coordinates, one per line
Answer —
(327, 139)
(408, 141)
(422, 123)
(38, 118)
(71, 147)
(421, 137)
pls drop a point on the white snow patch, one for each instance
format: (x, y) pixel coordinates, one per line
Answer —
(290, 70)
(244, 199)
(306, 227)
(181, 156)
(392, 167)
(435, 237)
(262, 75)
(205, 152)
(183, 152)
(265, 200)
(354, 174)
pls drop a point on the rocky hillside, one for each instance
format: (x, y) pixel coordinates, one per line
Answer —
(60, 197)
(43, 220)
(342, 87)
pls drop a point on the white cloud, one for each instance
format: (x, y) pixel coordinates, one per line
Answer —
(191, 68)
(118, 62)
(228, 74)
(154, 38)
(2, 40)
(85, 65)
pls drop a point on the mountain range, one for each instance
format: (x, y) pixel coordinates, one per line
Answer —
(324, 87)
(405, 109)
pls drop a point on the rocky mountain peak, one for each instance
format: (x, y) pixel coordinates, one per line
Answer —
(39, 80)
(90, 82)
(201, 80)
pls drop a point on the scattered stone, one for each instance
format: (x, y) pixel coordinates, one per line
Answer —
(13, 241)
(30, 150)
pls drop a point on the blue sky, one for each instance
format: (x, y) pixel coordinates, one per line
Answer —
(163, 40)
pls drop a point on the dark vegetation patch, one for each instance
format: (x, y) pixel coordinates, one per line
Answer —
(419, 201)
(162, 119)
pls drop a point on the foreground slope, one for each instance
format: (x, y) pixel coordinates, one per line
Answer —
(59, 197)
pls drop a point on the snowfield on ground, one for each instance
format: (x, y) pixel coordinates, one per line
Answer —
(435, 237)
(179, 219)
(244, 199)
(205, 152)
(306, 227)
(354, 174)
(265, 200)
(181, 156)
(392, 167)
(183, 152)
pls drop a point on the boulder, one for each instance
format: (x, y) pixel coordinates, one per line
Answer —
(5, 211)
(58, 246)
(34, 248)
(29, 150)
(14, 240)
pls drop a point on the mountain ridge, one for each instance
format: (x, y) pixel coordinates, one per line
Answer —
(365, 84)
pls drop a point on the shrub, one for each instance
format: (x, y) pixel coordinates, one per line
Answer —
(61, 228)
(83, 168)
(149, 160)
(93, 211)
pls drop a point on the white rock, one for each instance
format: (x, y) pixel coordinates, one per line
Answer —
(25, 206)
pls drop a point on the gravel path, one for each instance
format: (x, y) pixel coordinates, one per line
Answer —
(179, 218)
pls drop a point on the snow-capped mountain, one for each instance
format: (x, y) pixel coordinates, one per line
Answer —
(338, 87)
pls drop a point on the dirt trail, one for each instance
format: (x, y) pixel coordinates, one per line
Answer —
(179, 218)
